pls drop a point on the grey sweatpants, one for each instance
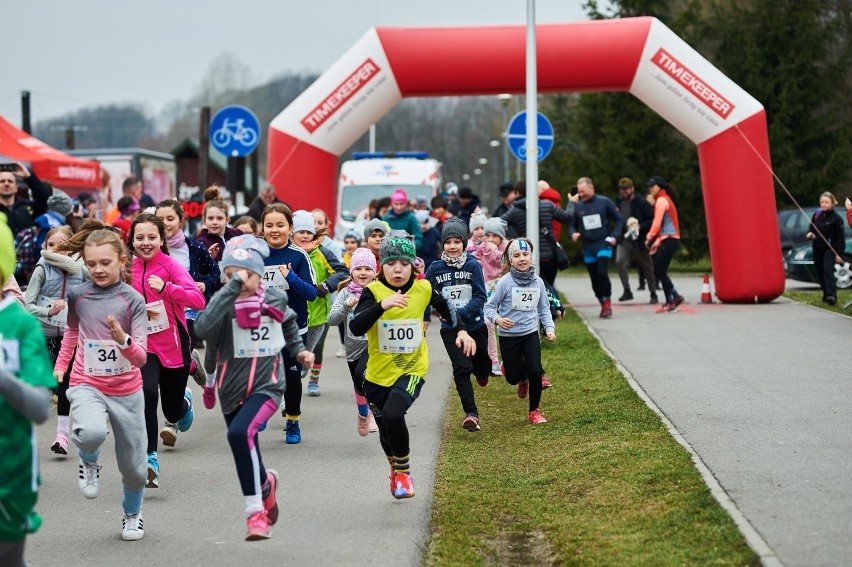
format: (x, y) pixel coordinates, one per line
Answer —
(126, 414)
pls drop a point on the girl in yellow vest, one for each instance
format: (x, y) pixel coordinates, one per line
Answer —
(390, 312)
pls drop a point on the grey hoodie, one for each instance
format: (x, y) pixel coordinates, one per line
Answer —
(526, 321)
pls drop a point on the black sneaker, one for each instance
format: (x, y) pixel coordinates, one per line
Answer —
(654, 299)
(626, 296)
(641, 287)
(831, 300)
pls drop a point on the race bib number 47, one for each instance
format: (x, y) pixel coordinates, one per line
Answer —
(400, 336)
(272, 278)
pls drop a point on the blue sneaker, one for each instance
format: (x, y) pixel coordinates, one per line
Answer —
(185, 422)
(153, 471)
(313, 389)
(294, 434)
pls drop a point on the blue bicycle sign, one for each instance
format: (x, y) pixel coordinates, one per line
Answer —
(234, 131)
(516, 134)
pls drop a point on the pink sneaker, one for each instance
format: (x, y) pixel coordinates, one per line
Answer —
(535, 417)
(363, 425)
(258, 526)
(371, 420)
(545, 382)
(270, 503)
(403, 487)
(60, 444)
(209, 396)
(523, 389)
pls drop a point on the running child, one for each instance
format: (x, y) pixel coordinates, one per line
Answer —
(106, 381)
(490, 256)
(458, 277)
(194, 256)
(216, 231)
(289, 269)
(351, 243)
(362, 268)
(518, 306)
(54, 274)
(168, 290)
(25, 383)
(374, 231)
(246, 326)
(328, 273)
(477, 232)
(390, 312)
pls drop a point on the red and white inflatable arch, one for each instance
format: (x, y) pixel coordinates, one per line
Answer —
(639, 55)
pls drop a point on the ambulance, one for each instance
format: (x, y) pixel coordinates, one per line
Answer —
(369, 176)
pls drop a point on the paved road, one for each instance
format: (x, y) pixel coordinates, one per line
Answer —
(763, 394)
(335, 497)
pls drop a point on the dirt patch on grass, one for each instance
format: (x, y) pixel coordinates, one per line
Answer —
(518, 543)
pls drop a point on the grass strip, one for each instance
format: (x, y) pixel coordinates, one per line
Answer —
(602, 483)
(815, 298)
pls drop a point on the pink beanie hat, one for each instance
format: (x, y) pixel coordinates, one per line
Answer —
(362, 257)
(399, 195)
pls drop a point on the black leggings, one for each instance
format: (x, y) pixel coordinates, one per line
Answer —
(63, 406)
(662, 259)
(522, 361)
(242, 437)
(389, 406)
(169, 383)
(293, 380)
(599, 274)
(357, 368)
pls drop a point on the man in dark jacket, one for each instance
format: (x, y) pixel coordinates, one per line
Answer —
(507, 196)
(20, 213)
(597, 221)
(516, 219)
(266, 196)
(638, 215)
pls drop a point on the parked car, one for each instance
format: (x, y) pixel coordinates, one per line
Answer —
(793, 225)
(799, 264)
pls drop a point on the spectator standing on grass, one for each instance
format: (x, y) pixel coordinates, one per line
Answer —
(663, 240)
(829, 243)
(638, 215)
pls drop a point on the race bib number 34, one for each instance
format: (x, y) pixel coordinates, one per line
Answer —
(266, 340)
(400, 336)
(104, 358)
(525, 298)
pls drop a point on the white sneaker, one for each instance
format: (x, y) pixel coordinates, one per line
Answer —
(340, 353)
(495, 369)
(131, 527)
(169, 434)
(90, 479)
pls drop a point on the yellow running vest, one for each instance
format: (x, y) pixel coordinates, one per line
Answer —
(395, 344)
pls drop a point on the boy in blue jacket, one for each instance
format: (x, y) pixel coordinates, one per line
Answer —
(458, 277)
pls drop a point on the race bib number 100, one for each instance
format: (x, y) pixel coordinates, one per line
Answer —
(525, 298)
(104, 358)
(400, 336)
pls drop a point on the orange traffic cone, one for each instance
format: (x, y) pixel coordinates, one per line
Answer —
(706, 296)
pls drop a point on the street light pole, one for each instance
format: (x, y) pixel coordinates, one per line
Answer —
(504, 103)
(532, 134)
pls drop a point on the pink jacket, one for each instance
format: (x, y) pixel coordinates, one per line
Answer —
(172, 344)
(490, 259)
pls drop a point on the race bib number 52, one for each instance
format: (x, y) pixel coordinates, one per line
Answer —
(266, 340)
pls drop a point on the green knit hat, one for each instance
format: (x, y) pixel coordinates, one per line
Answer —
(7, 251)
(397, 245)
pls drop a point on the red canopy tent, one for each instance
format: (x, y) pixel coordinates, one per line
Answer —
(48, 163)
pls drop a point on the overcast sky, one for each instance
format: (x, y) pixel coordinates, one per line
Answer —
(88, 52)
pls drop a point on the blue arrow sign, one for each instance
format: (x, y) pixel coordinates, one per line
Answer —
(235, 131)
(516, 135)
